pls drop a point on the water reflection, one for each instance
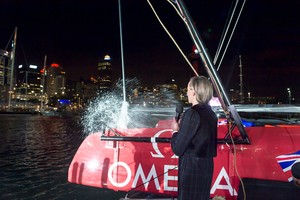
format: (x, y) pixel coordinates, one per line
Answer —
(35, 153)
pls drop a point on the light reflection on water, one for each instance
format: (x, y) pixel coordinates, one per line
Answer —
(35, 153)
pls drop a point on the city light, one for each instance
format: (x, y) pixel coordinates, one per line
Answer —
(107, 57)
(32, 66)
(289, 95)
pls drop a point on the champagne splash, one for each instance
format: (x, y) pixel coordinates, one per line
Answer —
(108, 110)
(124, 118)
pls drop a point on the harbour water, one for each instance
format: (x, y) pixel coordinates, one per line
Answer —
(35, 153)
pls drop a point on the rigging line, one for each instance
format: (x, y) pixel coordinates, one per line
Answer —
(9, 40)
(232, 33)
(176, 167)
(162, 24)
(224, 34)
(193, 37)
(234, 159)
(172, 3)
(203, 60)
(122, 53)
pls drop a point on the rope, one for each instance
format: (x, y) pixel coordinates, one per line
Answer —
(122, 51)
(224, 35)
(234, 161)
(231, 35)
(172, 38)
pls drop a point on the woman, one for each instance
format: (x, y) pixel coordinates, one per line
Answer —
(195, 142)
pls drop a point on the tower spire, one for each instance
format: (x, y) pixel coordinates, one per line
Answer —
(241, 80)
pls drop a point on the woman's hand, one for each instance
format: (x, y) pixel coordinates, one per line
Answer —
(175, 126)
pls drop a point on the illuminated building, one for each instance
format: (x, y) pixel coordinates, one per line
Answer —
(5, 65)
(28, 84)
(165, 95)
(55, 81)
(104, 77)
(5, 74)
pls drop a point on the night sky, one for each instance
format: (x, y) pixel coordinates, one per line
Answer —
(77, 34)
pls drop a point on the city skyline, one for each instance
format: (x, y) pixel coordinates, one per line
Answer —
(76, 35)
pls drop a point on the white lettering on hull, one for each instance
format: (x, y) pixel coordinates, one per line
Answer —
(152, 174)
(140, 174)
(167, 178)
(157, 153)
(110, 174)
(217, 184)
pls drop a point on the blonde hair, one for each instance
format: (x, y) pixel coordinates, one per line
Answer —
(202, 87)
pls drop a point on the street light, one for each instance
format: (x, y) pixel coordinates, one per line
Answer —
(289, 95)
(249, 96)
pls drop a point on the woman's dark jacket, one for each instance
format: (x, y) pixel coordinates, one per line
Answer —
(196, 144)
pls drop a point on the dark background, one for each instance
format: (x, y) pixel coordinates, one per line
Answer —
(77, 34)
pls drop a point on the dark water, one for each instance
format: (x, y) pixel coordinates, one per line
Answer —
(35, 153)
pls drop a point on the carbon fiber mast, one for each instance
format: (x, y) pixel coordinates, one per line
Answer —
(229, 109)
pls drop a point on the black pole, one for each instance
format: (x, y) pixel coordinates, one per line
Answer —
(227, 107)
(202, 51)
(136, 139)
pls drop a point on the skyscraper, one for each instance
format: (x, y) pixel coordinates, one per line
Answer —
(104, 77)
(55, 81)
(28, 84)
(5, 65)
(5, 74)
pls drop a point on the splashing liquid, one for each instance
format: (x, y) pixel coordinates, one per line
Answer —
(109, 110)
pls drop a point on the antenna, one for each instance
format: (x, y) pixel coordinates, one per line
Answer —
(43, 83)
(241, 80)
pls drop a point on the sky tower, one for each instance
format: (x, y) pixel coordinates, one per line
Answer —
(241, 80)
(105, 73)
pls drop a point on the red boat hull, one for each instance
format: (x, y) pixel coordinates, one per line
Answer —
(152, 167)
